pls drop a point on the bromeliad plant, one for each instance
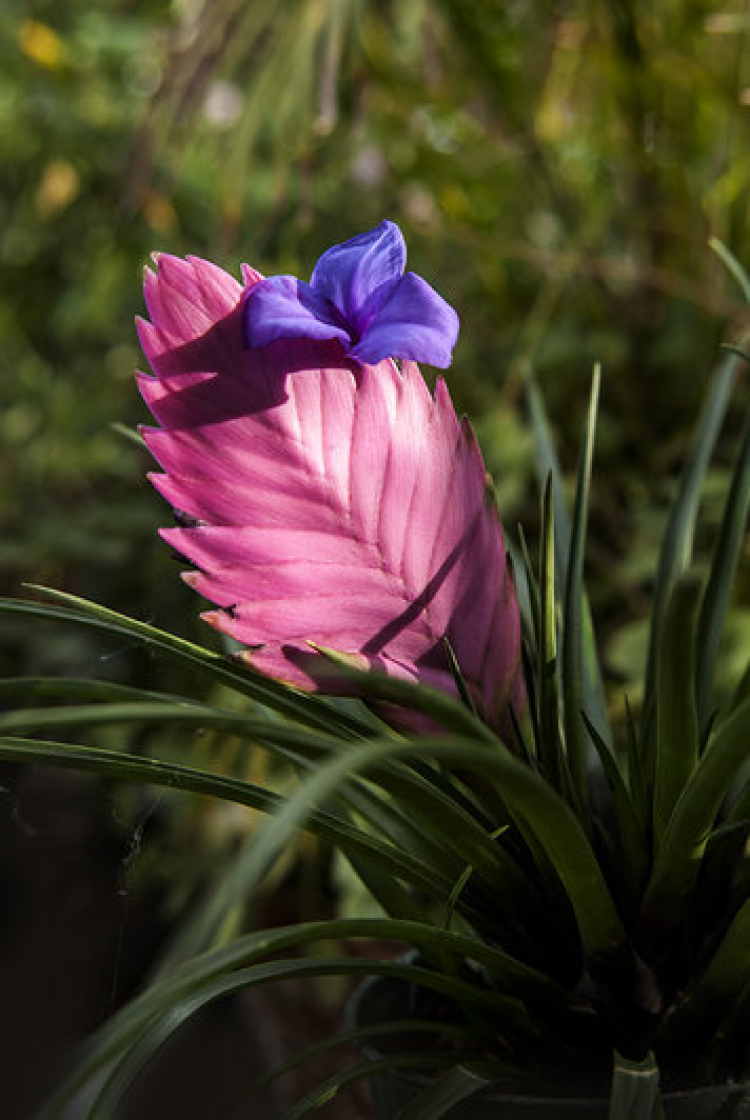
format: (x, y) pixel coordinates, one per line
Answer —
(573, 891)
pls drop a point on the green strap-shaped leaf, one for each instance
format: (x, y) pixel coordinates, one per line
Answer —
(455, 1085)
(630, 830)
(380, 688)
(549, 746)
(80, 688)
(308, 710)
(552, 822)
(701, 1010)
(732, 265)
(364, 1071)
(548, 467)
(430, 810)
(155, 1032)
(676, 549)
(677, 732)
(134, 1032)
(583, 760)
(121, 766)
(675, 867)
(726, 555)
(364, 1036)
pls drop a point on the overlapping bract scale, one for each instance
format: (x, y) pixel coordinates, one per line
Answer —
(322, 500)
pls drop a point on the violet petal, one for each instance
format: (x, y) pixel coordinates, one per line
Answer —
(359, 275)
(284, 307)
(415, 323)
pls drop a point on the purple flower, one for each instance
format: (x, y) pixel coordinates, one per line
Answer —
(359, 294)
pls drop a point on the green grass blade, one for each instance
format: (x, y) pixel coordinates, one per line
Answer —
(677, 732)
(459, 680)
(732, 265)
(435, 812)
(583, 761)
(125, 767)
(733, 1034)
(379, 688)
(417, 816)
(727, 552)
(80, 688)
(550, 748)
(629, 826)
(156, 1031)
(676, 550)
(709, 999)
(554, 825)
(394, 899)
(416, 821)
(457, 1084)
(430, 848)
(548, 466)
(364, 1035)
(675, 866)
(363, 1071)
(294, 705)
(146, 1021)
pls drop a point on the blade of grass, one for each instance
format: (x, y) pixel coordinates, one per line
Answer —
(457, 1084)
(676, 549)
(548, 467)
(677, 733)
(460, 681)
(297, 706)
(80, 688)
(364, 1034)
(418, 815)
(732, 265)
(727, 552)
(426, 802)
(380, 688)
(701, 1010)
(326, 1092)
(235, 966)
(125, 767)
(156, 1032)
(555, 826)
(629, 828)
(551, 754)
(675, 867)
(583, 761)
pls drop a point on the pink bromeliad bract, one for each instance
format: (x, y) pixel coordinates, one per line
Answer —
(322, 499)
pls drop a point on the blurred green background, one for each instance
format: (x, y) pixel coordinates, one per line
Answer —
(557, 168)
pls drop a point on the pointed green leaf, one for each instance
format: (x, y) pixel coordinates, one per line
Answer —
(455, 1085)
(583, 761)
(676, 712)
(727, 552)
(297, 706)
(676, 549)
(676, 866)
(124, 767)
(548, 467)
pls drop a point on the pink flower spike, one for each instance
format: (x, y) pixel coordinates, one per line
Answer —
(323, 500)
